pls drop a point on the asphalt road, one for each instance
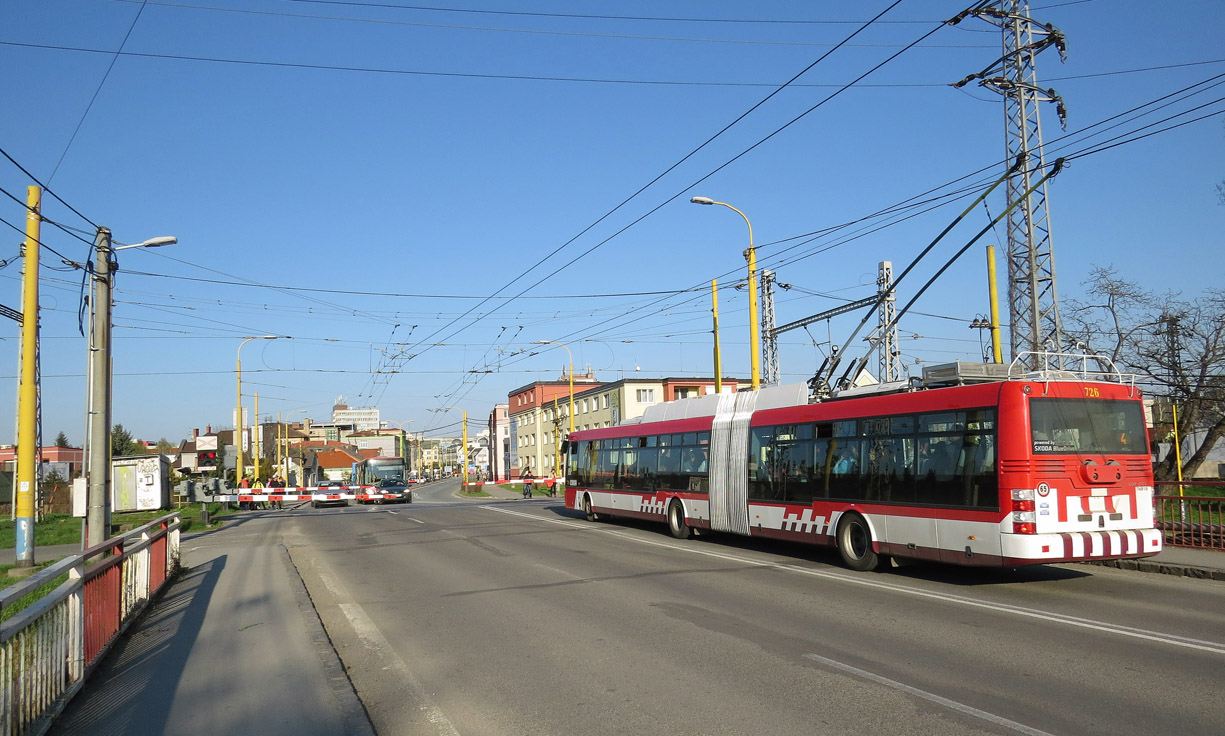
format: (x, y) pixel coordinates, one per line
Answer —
(519, 617)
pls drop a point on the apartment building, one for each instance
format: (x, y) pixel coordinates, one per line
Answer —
(539, 427)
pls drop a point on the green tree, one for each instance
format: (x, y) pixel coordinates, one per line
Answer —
(123, 443)
(165, 448)
(61, 440)
(1176, 346)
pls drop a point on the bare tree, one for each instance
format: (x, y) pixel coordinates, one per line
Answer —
(1176, 345)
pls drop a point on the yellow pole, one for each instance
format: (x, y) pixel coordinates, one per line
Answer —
(556, 444)
(278, 442)
(255, 440)
(27, 417)
(1177, 449)
(996, 349)
(465, 448)
(239, 429)
(750, 255)
(714, 300)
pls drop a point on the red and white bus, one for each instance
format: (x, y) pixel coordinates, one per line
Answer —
(971, 465)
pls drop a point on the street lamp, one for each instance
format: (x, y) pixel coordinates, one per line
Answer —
(570, 373)
(750, 255)
(464, 448)
(240, 427)
(100, 377)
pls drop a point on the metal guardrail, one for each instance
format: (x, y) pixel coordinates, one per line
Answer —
(48, 649)
(1191, 521)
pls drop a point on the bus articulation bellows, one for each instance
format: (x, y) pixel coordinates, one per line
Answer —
(974, 464)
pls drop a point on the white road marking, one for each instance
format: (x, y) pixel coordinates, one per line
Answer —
(561, 572)
(374, 640)
(1045, 616)
(951, 704)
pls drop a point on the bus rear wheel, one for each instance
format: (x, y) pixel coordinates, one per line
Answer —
(676, 520)
(855, 544)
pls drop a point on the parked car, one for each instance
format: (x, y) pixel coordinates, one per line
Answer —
(395, 487)
(330, 487)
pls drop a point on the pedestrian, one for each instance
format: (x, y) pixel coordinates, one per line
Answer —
(527, 485)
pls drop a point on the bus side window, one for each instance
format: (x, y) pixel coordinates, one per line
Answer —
(979, 482)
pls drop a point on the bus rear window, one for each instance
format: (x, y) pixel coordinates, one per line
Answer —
(1086, 426)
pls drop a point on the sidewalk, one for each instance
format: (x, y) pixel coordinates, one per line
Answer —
(232, 646)
(499, 493)
(8, 555)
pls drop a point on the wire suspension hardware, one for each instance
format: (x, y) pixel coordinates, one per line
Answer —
(853, 371)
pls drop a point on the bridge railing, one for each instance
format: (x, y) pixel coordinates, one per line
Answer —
(49, 648)
(1188, 520)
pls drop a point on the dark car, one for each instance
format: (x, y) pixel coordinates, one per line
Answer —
(330, 487)
(394, 487)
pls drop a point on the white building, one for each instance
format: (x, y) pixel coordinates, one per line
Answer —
(362, 418)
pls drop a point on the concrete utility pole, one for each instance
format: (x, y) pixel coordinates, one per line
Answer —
(770, 342)
(1032, 296)
(98, 462)
(27, 413)
(98, 472)
(890, 360)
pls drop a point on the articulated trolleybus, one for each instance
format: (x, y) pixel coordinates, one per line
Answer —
(974, 464)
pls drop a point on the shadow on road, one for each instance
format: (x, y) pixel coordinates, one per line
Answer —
(828, 556)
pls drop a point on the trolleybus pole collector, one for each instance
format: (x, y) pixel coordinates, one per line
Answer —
(973, 464)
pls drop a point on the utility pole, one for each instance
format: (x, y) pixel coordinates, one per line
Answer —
(714, 301)
(1032, 296)
(98, 482)
(27, 419)
(890, 363)
(770, 344)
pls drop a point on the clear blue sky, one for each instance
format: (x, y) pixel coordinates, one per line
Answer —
(418, 160)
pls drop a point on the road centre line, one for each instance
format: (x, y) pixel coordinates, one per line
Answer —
(1045, 616)
(951, 704)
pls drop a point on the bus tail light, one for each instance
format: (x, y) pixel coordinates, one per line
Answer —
(1023, 519)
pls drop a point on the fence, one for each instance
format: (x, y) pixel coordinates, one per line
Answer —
(1191, 521)
(48, 649)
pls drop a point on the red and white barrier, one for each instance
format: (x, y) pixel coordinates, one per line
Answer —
(306, 493)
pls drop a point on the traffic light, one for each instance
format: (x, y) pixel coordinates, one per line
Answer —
(206, 459)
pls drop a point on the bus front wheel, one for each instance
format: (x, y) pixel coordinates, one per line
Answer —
(591, 515)
(855, 544)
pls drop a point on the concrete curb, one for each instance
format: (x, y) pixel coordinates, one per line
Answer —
(1165, 568)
